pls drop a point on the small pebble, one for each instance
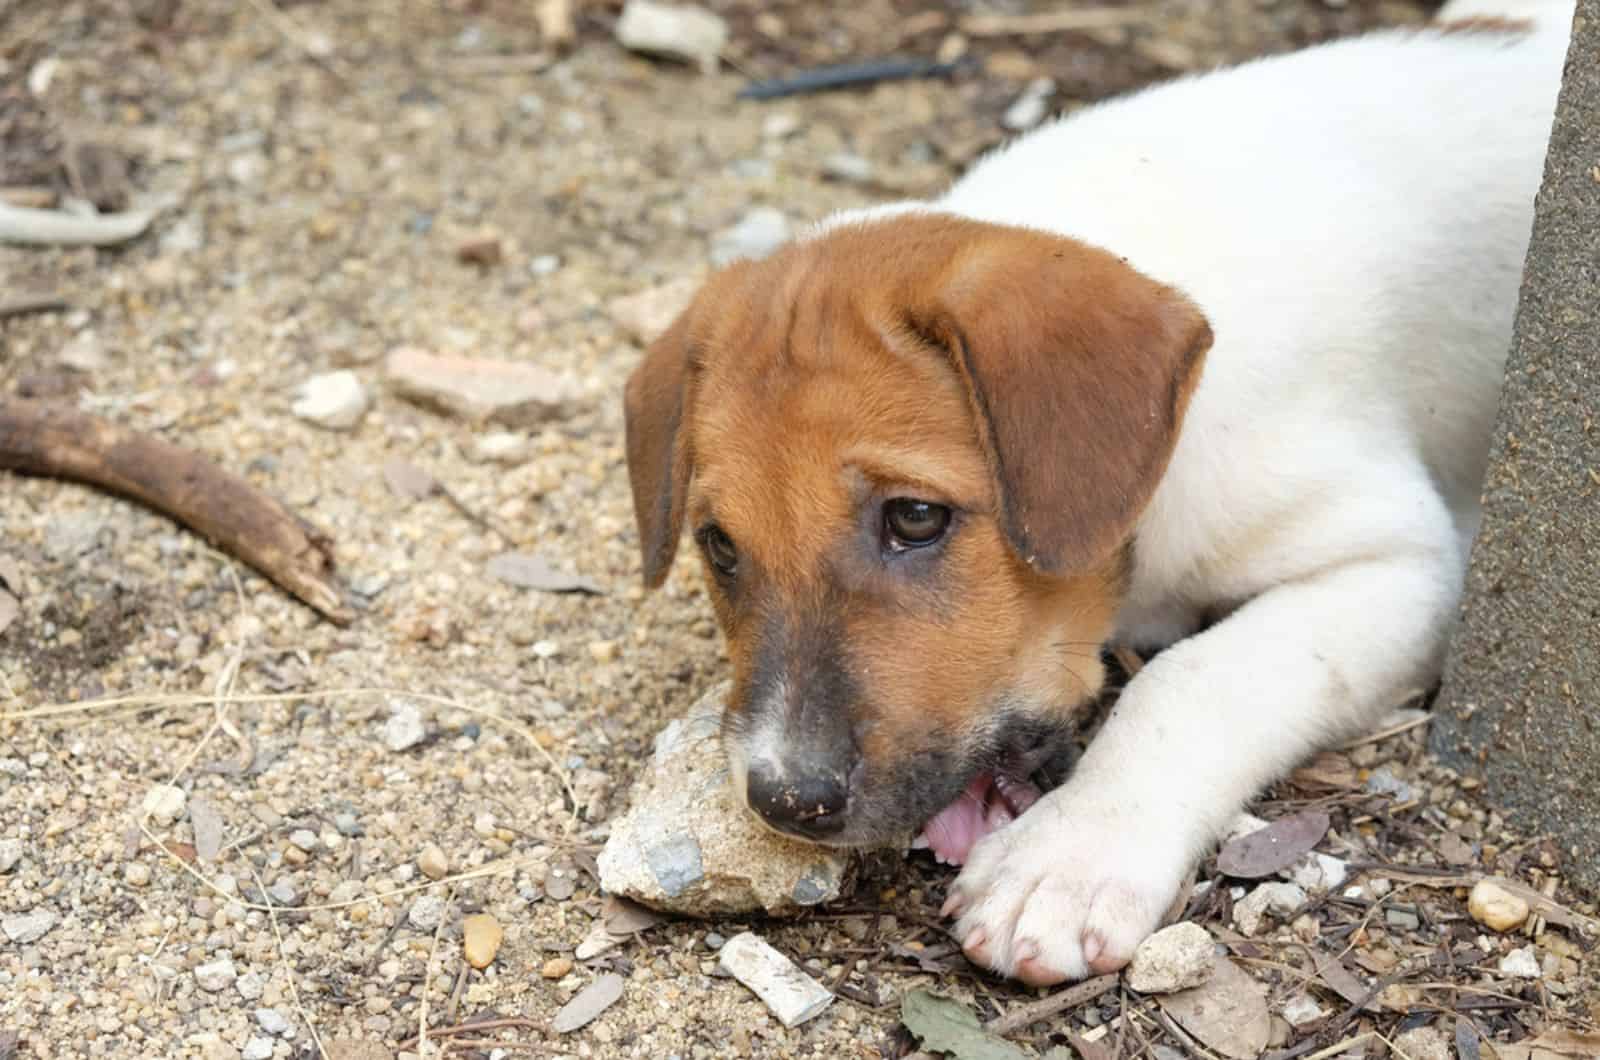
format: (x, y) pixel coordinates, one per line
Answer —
(1029, 108)
(760, 232)
(556, 967)
(481, 936)
(1426, 1043)
(1522, 963)
(1404, 919)
(483, 251)
(404, 728)
(426, 912)
(334, 400)
(714, 941)
(433, 863)
(216, 975)
(10, 854)
(1303, 1013)
(603, 651)
(28, 927)
(848, 167)
(304, 838)
(780, 126)
(165, 802)
(257, 1048)
(137, 874)
(283, 893)
(271, 1020)
(1495, 907)
(250, 986)
(1275, 899)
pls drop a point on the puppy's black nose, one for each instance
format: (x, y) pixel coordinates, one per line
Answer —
(809, 803)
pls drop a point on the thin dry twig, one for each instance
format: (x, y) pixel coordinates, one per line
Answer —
(277, 934)
(427, 975)
(1072, 997)
(181, 700)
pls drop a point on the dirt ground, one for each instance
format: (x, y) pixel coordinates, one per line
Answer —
(318, 166)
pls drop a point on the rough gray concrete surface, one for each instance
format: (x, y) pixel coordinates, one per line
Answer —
(1521, 698)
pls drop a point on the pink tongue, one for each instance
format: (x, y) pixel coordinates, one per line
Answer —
(987, 805)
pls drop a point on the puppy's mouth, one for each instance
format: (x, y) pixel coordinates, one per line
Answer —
(988, 804)
(994, 798)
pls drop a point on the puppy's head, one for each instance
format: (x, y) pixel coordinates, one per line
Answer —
(911, 453)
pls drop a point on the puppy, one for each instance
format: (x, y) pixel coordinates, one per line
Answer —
(1211, 368)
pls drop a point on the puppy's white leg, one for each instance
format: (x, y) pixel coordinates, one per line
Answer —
(1075, 884)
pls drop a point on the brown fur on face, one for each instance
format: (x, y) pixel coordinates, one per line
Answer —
(1033, 384)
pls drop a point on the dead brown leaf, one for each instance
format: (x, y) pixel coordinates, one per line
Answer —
(1554, 1044)
(1273, 848)
(1228, 1012)
(623, 917)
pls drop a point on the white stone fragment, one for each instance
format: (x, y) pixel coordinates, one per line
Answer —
(1302, 1013)
(1319, 872)
(791, 994)
(1174, 958)
(216, 975)
(404, 728)
(758, 233)
(1523, 964)
(28, 927)
(1275, 899)
(1029, 108)
(678, 31)
(335, 400)
(165, 803)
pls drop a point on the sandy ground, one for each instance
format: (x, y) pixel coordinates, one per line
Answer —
(313, 212)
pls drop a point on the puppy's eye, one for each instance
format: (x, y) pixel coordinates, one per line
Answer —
(909, 523)
(719, 549)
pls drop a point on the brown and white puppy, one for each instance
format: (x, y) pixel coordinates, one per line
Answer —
(937, 455)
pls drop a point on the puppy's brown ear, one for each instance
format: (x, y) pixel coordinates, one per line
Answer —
(1079, 370)
(659, 461)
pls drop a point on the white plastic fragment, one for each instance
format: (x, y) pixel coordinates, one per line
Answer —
(792, 995)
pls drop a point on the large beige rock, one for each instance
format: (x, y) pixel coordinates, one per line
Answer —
(688, 846)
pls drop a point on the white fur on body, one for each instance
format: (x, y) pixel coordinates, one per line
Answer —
(1352, 220)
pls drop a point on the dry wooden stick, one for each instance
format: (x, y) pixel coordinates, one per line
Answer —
(52, 440)
(1071, 997)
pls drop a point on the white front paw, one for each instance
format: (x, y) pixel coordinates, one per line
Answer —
(1067, 890)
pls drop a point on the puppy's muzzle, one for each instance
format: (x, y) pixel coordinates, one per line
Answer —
(800, 796)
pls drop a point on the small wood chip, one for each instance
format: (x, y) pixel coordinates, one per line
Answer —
(589, 1003)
